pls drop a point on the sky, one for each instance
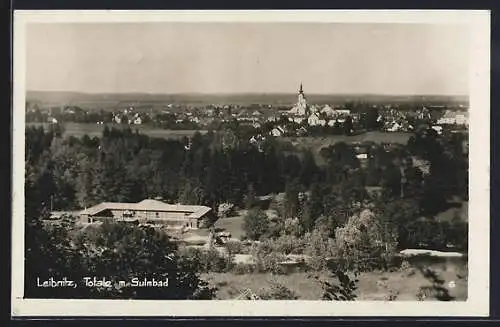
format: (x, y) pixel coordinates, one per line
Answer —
(328, 58)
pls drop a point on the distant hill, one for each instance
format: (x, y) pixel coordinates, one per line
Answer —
(108, 100)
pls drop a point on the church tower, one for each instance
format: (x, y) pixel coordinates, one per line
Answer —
(300, 108)
(302, 102)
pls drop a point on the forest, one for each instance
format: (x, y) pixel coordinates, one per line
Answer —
(322, 203)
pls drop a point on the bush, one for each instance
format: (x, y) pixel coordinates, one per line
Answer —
(206, 260)
(225, 210)
(289, 244)
(235, 247)
(278, 292)
(341, 286)
(243, 269)
(320, 248)
(267, 259)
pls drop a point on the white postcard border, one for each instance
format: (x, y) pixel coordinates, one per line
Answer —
(478, 300)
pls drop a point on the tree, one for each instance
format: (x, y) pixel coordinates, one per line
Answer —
(250, 198)
(292, 190)
(348, 126)
(391, 181)
(400, 214)
(48, 251)
(370, 119)
(256, 224)
(191, 193)
(309, 169)
(363, 243)
(123, 252)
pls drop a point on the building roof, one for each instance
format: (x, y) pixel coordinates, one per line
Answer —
(193, 211)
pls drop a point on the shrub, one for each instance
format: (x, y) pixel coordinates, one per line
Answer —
(340, 287)
(225, 210)
(243, 269)
(235, 247)
(278, 291)
(320, 248)
(289, 244)
(267, 259)
(206, 260)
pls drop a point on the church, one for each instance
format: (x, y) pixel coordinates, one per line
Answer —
(301, 108)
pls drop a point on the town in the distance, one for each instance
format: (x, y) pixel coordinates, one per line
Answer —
(248, 196)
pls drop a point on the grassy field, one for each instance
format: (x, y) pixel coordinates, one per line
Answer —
(377, 137)
(372, 286)
(79, 130)
(234, 225)
(315, 144)
(461, 211)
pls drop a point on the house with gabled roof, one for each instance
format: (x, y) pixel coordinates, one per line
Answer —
(148, 211)
(328, 111)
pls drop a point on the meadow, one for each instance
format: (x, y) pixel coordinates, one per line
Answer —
(79, 130)
(316, 143)
(376, 137)
(403, 284)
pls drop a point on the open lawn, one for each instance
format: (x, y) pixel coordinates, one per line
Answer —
(316, 143)
(377, 137)
(79, 130)
(371, 286)
(234, 225)
(458, 211)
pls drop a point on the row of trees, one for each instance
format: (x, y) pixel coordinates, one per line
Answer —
(125, 166)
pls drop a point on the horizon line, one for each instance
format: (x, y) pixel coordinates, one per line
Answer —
(249, 93)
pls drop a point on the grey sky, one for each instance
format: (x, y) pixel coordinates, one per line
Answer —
(248, 58)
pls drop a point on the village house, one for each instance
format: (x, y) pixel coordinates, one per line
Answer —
(256, 113)
(256, 124)
(452, 118)
(277, 131)
(302, 131)
(438, 129)
(149, 211)
(52, 120)
(393, 127)
(328, 111)
(343, 112)
(356, 117)
(313, 120)
(297, 120)
(195, 120)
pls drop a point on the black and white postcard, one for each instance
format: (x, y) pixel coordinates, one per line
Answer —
(255, 163)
